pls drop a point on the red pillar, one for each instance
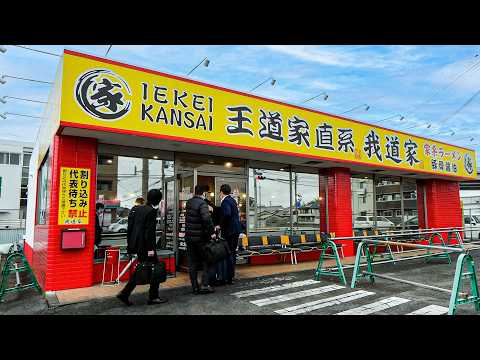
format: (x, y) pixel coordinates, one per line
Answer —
(336, 205)
(443, 204)
(67, 269)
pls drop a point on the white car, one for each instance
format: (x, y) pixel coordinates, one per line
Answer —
(119, 227)
(472, 226)
(367, 222)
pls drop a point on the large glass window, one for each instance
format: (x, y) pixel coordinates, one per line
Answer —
(43, 192)
(388, 204)
(120, 181)
(362, 201)
(305, 200)
(269, 202)
(410, 216)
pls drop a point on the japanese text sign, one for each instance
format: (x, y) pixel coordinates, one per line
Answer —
(105, 95)
(74, 197)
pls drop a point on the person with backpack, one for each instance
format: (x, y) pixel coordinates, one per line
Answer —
(142, 241)
(199, 229)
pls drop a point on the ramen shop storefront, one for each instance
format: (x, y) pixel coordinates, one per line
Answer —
(112, 131)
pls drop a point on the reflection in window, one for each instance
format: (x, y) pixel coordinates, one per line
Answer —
(388, 203)
(43, 192)
(120, 181)
(362, 201)
(410, 205)
(306, 211)
(269, 201)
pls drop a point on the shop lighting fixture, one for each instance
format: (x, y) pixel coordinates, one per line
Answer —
(211, 162)
(25, 115)
(367, 107)
(325, 97)
(272, 82)
(212, 194)
(4, 101)
(3, 49)
(228, 164)
(155, 157)
(205, 63)
(282, 169)
(109, 161)
(3, 81)
(244, 196)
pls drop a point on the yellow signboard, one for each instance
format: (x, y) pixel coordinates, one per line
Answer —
(106, 95)
(74, 198)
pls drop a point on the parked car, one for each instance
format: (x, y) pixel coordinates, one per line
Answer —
(411, 224)
(367, 222)
(119, 227)
(472, 226)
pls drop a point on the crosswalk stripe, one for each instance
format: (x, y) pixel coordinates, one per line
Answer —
(430, 310)
(376, 306)
(258, 291)
(296, 295)
(318, 304)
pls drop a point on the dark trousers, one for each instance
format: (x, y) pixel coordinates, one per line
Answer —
(231, 261)
(196, 259)
(132, 283)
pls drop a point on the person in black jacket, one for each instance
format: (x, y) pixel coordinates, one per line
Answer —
(199, 229)
(143, 243)
(131, 220)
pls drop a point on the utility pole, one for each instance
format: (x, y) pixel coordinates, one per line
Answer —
(255, 214)
(144, 178)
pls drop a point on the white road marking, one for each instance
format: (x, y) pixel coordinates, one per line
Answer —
(296, 295)
(430, 310)
(318, 304)
(258, 291)
(375, 307)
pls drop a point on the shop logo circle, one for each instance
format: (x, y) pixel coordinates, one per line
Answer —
(468, 162)
(103, 94)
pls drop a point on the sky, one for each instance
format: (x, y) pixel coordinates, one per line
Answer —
(428, 85)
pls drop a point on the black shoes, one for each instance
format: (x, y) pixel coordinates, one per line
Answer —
(195, 291)
(206, 290)
(124, 299)
(219, 282)
(157, 301)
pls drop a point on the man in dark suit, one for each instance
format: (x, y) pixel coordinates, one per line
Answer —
(230, 229)
(143, 243)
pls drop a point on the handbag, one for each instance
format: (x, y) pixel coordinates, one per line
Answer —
(216, 250)
(147, 271)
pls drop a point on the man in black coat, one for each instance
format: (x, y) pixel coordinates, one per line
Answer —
(143, 243)
(131, 221)
(230, 229)
(199, 229)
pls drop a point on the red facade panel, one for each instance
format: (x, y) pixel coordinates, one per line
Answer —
(339, 204)
(443, 204)
(66, 269)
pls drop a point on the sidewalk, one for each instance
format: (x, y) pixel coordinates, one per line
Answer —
(72, 296)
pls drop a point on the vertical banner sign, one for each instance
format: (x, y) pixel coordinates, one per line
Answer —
(74, 198)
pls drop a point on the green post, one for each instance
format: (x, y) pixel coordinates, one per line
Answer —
(474, 297)
(319, 271)
(437, 256)
(356, 269)
(21, 266)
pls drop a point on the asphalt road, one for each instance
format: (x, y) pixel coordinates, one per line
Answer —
(292, 293)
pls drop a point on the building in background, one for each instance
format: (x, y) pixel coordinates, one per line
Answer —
(14, 177)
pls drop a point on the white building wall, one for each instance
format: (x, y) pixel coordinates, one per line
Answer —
(11, 181)
(31, 197)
